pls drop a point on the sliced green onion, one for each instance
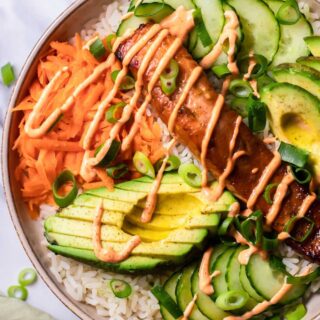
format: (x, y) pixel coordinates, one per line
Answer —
(127, 83)
(289, 226)
(172, 70)
(257, 114)
(120, 288)
(293, 155)
(55, 123)
(288, 13)
(221, 71)
(18, 292)
(97, 49)
(301, 175)
(166, 301)
(173, 163)
(27, 276)
(232, 300)
(297, 313)
(267, 191)
(296, 280)
(110, 155)
(109, 40)
(258, 70)
(191, 174)
(225, 226)
(264, 81)
(143, 164)
(168, 86)
(240, 106)
(118, 171)
(269, 244)
(7, 74)
(252, 228)
(201, 29)
(63, 178)
(240, 88)
(113, 114)
(277, 264)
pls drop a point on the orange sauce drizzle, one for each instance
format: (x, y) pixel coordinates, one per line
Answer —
(187, 312)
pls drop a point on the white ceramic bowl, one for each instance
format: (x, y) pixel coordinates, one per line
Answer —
(64, 27)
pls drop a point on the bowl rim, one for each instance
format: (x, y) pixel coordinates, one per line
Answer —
(66, 300)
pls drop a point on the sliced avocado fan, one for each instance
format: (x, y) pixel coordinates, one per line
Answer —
(181, 225)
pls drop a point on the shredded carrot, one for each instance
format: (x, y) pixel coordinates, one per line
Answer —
(41, 160)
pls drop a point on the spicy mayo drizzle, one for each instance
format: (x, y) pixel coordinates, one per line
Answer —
(264, 179)
(108, 254)
(187, 312)
(246, 77)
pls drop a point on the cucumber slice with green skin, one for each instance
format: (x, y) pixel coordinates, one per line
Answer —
(311, 62)
(219, 282)
(134, 22)
(193, 38)
(245, 282)
(205, 304)
(291, 44)
(313, 43)
(267, 282)
(233, 277)
(170, 287)
(188, 4)
(299, 75)
(262, 38)
(213, 17)
(184, 293)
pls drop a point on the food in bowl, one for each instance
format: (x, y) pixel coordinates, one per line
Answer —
(129, 152)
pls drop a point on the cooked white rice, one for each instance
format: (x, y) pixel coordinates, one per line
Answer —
(90, 285)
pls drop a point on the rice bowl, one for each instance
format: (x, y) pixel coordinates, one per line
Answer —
(86, 285)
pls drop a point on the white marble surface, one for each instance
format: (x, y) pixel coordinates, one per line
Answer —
(22, 24)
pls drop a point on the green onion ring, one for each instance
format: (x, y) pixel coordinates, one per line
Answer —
(109, 40)
(168, 86)
(63, 177)
(143, 165)
(166, 301)
(114, 75)
(293, 155)
(240, 88)
(297, 313)
(97, 49)
(221, 71)
(301, 175)
(110, 155)
(127, 83)
(232, 300)
(225, 226)
(252, 228)
(269, 244)
(267, 191)
(264, 81)
(27, 276)
(173, 163)
(120, 288)
(112, 114)
(288, 13)
(240, 106)
(171, 71)
(289, 226)
(259, 69)
(18, 292)
(191, 174)
(277, 264)
(296, 280)
(7, 74)
(257, 114)
(118, 171)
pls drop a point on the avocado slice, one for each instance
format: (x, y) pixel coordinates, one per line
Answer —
(294, 116)
(313, 43)
(299, 75)
(174, 252)
(114, 218)
(131, 265)
(311, 62)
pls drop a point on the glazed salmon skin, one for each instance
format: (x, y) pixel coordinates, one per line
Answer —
(190, 128)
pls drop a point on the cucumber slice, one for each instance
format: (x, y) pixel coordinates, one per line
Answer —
(220, 282)
(170, 287)
(134, 22)
(233, 277)
(188, 4)
(213, 17)
(260, 27)
(205, 304)
(291, 44)
(184, 293)
(245, 282)
(267, 282)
